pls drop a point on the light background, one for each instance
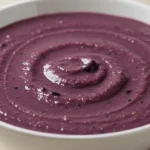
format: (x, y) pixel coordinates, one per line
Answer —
(6, 2)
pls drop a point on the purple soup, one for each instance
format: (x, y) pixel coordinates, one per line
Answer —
(75, 73)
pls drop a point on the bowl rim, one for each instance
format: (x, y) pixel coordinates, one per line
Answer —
(24, 131)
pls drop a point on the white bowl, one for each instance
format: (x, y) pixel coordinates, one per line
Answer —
(15, 138)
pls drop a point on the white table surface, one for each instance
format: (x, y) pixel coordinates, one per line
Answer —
(6, 2)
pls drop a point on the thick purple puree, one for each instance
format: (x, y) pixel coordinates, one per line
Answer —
(75, 73)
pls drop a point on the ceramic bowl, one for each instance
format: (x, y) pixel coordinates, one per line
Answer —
(15, 138)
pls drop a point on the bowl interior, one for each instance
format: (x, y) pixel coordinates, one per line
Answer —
(30, 8)
(124, 8)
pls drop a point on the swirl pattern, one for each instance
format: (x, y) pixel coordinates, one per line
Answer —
(75, 73)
